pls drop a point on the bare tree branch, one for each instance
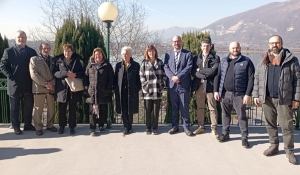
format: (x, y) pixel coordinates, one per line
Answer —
(128, 29)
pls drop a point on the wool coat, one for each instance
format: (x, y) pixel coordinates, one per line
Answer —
(153, 78)
(133, 86)
(15, 66)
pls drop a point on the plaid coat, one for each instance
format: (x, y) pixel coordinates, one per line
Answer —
(153, 78)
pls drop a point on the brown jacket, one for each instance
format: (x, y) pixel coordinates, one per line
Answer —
(40, 74)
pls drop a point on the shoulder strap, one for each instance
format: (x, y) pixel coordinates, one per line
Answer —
(73, 65)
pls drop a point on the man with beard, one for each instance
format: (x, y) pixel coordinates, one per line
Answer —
(233, 86)
(277, 88)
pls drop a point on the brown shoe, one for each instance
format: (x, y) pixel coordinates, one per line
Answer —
(52, 129)
(271, 151)
(200, 130)
(291, 156)
(39, 132)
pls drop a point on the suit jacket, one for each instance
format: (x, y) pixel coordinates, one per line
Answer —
(41, 73)
(15, 67)
(183, 71)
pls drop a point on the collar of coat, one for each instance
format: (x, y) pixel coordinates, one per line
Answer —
(148, 63)
(209, 56)
(98, 65)
(73, 57)
(131, 60)
(286, 56)
(42, 56)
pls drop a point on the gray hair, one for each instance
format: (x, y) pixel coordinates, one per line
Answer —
(21, 31)
(45, 44)
(126, 48)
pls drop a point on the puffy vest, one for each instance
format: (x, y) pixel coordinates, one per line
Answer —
(240, 75)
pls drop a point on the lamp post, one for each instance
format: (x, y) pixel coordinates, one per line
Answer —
(108, 12)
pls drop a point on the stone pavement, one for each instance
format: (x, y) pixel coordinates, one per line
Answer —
(140, 154)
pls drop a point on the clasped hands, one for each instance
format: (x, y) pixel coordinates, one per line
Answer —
(70, 74)
(49, 86)
(175, 79)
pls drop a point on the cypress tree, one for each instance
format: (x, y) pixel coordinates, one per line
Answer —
(1, 45)
(84, 36)
(6, 45)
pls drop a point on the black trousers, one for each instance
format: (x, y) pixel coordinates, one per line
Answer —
(152, 113)
(102, 115)
(228, 102)
(62, 114)
(15, 100)
(127, 117)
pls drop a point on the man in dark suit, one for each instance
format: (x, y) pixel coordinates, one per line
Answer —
(15, 66)
(178, 65)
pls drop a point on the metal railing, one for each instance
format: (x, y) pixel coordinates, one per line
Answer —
(254, 113)
(4, 101)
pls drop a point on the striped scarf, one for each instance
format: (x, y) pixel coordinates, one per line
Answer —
(275, 60)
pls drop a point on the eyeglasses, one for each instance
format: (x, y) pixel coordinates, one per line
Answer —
(177, 41)
(46, 48)
(274, 43)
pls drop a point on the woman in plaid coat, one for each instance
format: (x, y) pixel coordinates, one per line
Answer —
(153, 77)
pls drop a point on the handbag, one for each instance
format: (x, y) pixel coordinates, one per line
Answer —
(75, 84)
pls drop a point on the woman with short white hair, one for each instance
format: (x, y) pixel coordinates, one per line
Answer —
(127, 86)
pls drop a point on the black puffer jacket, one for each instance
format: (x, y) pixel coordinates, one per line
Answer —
(289, 81)
(99, 80)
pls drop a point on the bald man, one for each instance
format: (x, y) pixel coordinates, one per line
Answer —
(15, 66)
(277, 88)
(233, 86)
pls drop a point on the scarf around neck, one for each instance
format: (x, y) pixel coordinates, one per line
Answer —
(275, 60)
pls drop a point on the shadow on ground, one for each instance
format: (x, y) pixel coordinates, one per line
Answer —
(10, 153)
(83, 129)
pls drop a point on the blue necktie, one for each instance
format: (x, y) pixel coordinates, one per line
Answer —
(176, 61)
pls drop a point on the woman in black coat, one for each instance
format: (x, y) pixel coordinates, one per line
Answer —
(127, 85)
(63, 69)
(99, 81)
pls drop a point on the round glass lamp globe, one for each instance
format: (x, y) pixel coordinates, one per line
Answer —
(107, 11)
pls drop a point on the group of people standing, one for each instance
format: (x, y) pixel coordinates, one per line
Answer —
(39, 78)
